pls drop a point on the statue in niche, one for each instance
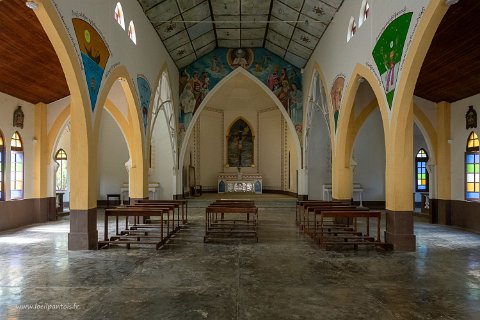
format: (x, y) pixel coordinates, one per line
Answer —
(471, 118)
(18, 117)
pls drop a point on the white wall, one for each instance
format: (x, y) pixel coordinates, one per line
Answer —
(336, 56)
(270, 147)
(459, 135)
(8, 104)
(162, 160)
(318, 156)
(112, 155)
(369, 153)
(211, 148)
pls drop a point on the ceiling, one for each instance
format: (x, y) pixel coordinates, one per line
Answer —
(451, 70)
(289, 28)
(30, 69)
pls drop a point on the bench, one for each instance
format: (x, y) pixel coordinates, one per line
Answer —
(233, 228)
(131, 235)
(183, 204)
(353, 237)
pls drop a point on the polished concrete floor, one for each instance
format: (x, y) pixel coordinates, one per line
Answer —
(284, 276)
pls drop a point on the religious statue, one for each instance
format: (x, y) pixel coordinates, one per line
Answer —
(471, 118)
(18, 117)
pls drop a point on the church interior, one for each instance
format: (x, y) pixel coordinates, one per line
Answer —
(239, 159)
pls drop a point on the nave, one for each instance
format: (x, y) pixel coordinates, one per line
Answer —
(283, 276)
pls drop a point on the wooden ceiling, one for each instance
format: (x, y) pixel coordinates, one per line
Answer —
(451, 70)
(29, 66)
(30, 69)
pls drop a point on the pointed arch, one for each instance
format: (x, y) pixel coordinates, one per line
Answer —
(345, 136)
(218, 87)
(134, 134)
(82, 176)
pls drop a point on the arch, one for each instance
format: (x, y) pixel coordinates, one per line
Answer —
(427, 130)
(82, 179)
(345, 137)
(422, 38)
(219, 87)
(167, 104)
(134, 133)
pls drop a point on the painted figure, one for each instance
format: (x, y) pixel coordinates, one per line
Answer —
(295, 104)
(187, 104)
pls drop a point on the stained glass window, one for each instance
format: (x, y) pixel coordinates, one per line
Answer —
(2, 165)
(119, 15)
(131, 32)
(16, 167)
(472, 168)
(421, 172)
(61, 176)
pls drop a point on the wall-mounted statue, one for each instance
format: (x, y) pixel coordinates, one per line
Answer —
(18, 117)
(471, 118)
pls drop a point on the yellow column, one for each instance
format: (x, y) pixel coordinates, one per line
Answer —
(399, 183)
(40, 151)
(342, 176)
(443, 153)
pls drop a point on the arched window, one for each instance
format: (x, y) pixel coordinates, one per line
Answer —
(61, 176)
(119, 15)
(364, 11)
(421, 172)
(472, 168)
(131, 32)
(352, 28)
(16, 167)
(2, 166)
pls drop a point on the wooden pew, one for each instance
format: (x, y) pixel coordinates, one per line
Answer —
(232, 227)
(171, 206)
(301, 203)
(183, 204)
(329, 238)
(157, 238)
(310, 207)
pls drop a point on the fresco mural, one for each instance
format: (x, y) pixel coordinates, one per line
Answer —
(94, 54)
(388, 52)
(198, 78)
(336, 95)
(145, 92)
(240, 145)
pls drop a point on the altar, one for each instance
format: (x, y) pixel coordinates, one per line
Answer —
(240, 182)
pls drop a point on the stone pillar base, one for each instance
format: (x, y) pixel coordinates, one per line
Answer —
(83, 230)
(399, 231)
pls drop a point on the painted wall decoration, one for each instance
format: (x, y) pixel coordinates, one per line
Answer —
(145, 92)
(240, 145)
(198, 78)
(336, 95)
(388, 52)
(95, 55)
